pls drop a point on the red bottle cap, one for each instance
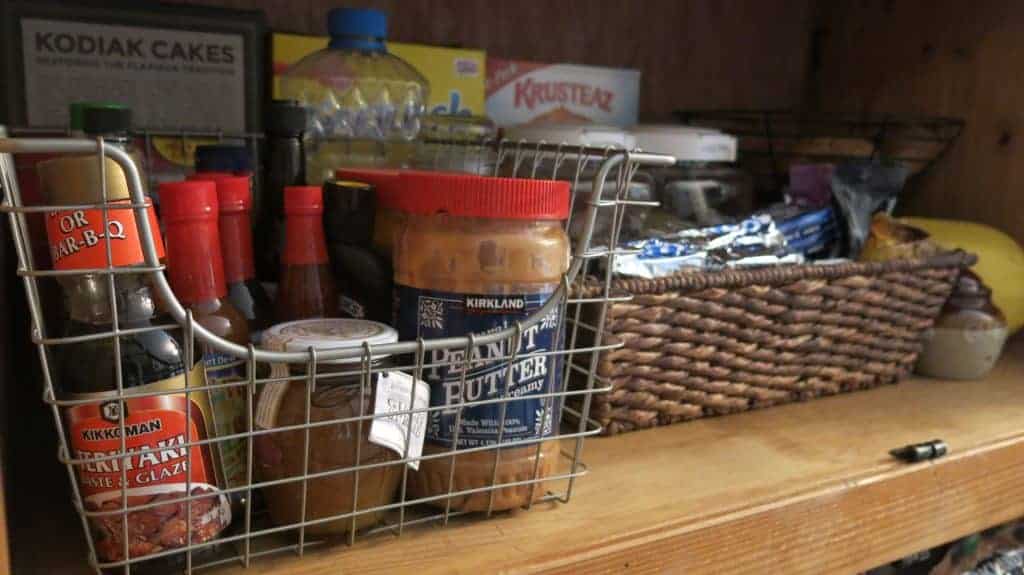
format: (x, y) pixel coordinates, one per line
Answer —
(234, 194)
(209, 176)
(303, 200)
(234, 199)
(386, 184)
(195, 266)
(484, 196)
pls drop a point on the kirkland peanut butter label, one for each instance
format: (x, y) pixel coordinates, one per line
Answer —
(78, 238)
(490, 372)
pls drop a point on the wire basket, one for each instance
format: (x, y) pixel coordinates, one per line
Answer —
(251, 534)
(771, 140)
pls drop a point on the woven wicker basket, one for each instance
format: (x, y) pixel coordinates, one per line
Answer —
(711, 343)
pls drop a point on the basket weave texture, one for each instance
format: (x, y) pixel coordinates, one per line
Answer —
(701, 344)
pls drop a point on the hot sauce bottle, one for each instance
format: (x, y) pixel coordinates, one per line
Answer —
(234, 201)
(307, 287)
(195, 270)
(143, 359)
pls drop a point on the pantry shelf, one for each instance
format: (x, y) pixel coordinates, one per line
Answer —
(805, 488)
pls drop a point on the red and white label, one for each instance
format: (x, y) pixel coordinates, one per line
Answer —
(155, 430)
(156, 469)
(78, 238)
(529, 92)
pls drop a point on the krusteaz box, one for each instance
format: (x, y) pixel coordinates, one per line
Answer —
(456, 76)
(531, 92)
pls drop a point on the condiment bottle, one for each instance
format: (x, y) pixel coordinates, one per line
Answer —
(142, 362)
(363, 276)
(390, 217)
(195, 270)
(968, 335)
(113, 122)
(340, 394)
(477, 255)
(234, 201)
(307, 287)
(285, 166)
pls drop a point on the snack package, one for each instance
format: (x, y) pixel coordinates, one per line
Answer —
(755, 241)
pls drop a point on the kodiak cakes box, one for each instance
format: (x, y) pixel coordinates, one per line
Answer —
(456, 76)
(521, 92)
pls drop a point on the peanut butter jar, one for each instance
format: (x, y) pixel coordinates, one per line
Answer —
(479, 254)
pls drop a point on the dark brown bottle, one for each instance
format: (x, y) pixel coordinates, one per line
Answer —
(307, 287)
(364, 277)
(285, 166)
(195, 270)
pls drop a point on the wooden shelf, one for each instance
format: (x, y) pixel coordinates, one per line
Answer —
(806, 488)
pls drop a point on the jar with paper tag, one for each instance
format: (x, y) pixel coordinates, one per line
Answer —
(340, 395)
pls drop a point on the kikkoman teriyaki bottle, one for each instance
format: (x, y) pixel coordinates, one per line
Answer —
(145, 361)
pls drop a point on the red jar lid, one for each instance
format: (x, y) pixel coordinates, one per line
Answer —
(484, 196)
(386, 184)
(303, 200)
(193, 199)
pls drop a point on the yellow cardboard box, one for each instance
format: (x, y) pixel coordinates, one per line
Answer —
(456, 76)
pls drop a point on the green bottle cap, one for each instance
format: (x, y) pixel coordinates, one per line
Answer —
(76, 111)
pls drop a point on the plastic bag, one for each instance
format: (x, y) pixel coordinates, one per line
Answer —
(861, 189)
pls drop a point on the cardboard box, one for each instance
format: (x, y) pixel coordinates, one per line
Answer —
(456, 76)
(530, 92)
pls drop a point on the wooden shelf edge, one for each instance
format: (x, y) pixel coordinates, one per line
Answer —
(854, 525)
(806, 488)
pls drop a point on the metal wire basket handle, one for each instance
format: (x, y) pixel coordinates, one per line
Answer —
(181, 315)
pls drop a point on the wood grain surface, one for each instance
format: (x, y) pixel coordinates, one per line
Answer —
(946, 58)
(693, 53)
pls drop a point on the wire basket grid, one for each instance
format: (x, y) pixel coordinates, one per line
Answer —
(252, 535)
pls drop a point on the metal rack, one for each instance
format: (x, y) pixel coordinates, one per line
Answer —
(580, 320)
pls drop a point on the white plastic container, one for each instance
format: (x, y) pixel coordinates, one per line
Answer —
(704, 187)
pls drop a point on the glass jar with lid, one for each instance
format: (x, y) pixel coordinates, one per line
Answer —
(339, 393)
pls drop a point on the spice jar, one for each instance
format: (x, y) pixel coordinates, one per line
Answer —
(968, 336)
(335, 446)
(479, 254)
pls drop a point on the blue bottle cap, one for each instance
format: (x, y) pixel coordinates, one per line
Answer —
(222, 158)
(357, 22)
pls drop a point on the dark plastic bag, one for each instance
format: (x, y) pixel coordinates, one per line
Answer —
(861, 189)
